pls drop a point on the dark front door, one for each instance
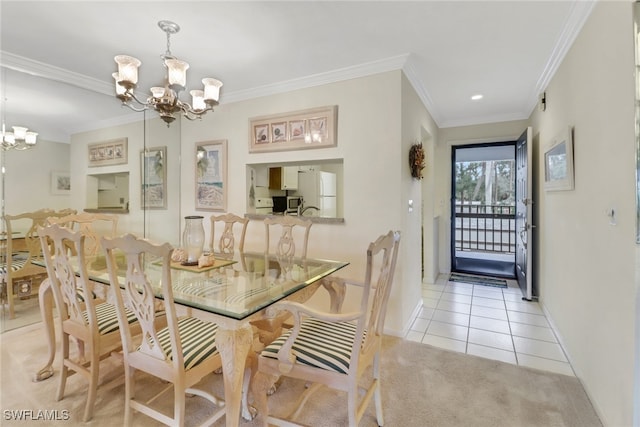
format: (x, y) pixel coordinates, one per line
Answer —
(524, 202)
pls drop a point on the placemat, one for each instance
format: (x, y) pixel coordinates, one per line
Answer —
(195, 269)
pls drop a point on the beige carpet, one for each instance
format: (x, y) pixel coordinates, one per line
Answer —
(422, 386)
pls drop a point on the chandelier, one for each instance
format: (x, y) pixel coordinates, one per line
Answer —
(20, 139)
(164, 99)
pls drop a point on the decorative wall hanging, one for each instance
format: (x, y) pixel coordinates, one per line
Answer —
(113, 152)
(313, 128)
(558, 163)
(416, 160)
(154, 178)
(60, 182)
(211, 175)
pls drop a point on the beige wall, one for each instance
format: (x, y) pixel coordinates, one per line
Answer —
(586, 265)
(28, 177)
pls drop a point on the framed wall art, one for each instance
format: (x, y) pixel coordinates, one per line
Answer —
(60, 182)
(305, 129)
(211, 175)
(558, 163)
(154, 178)
(113, 152)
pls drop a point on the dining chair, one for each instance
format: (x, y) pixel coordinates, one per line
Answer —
(334, 349)
(92, 321)
(17, 262)
(181, 353)
(91, 225)
(234, 229)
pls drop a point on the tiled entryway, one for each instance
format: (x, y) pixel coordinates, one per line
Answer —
(489, 322)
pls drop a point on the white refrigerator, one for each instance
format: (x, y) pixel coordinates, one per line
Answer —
(318, 189)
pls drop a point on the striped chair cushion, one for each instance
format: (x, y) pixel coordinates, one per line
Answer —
(245, 297)
(198, 340)
(208, 287)
(108, 317)
(15, 266)
(324, 345)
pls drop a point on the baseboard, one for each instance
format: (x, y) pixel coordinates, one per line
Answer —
(576, 371)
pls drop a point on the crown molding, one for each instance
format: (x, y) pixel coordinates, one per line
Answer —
(334, 76)
(51, 72)
(580, 11)
(410, 72)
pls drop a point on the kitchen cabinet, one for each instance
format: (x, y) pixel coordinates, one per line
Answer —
(283, 178)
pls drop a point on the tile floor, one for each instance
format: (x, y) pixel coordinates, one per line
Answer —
(489, 322)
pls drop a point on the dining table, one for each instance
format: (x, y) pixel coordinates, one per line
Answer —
(236, 293)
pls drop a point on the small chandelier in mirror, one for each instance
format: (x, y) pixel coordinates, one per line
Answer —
(20, 139)
(164, 99)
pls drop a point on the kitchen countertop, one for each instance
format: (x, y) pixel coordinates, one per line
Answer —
(314, 219)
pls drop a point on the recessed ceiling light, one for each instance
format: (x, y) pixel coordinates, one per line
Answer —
(476, 97)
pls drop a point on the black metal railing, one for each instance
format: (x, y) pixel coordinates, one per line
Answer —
(485, 228)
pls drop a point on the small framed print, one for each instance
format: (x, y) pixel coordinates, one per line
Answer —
(297, 129)
(279, 132)
(317, 129)
(305, 129)
(558, 163)
(261, 134)
(60, 182)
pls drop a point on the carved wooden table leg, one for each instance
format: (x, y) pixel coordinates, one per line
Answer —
(234, 346)
(337, 290)
(45, 296)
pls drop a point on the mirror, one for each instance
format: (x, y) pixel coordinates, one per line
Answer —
(636, 19)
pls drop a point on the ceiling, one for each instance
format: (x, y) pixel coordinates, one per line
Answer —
(57, 56)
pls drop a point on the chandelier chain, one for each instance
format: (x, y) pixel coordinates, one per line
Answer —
(168, 53)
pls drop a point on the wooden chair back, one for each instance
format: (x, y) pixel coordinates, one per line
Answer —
(378, 279)
(69, 280)
(138, 294)
(16, 260)
(91, 225)
(291, 236)
(232, 235)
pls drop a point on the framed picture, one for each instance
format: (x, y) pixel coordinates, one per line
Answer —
(297, 129)
(279, 132)
(113, 152)
(558, 163)
(261, 134)
(211, 175)
(60, 182)
(313, 128)
(154, 178)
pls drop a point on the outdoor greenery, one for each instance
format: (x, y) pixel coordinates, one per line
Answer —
(487, 182)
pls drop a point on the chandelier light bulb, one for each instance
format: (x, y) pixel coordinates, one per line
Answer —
(19, 132)
(30, 138)
(211, 89)
(198, 100)
(128, 70)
